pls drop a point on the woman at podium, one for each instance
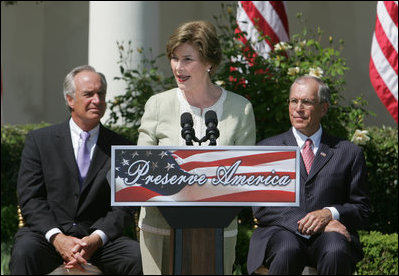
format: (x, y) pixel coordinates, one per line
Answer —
(194, 52)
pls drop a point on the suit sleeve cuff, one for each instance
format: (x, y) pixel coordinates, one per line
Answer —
(52, 232)
(102, 235)
(334, 212)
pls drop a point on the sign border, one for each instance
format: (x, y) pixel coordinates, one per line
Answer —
(192, 203)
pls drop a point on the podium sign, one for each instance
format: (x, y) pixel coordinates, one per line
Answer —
(205, 176)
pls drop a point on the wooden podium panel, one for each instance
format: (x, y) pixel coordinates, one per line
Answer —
(199, 252)
(197, 238)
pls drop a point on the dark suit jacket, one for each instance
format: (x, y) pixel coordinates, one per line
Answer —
(337, 179)
(48, 185)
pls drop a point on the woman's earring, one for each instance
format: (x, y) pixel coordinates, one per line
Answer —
(209, 69)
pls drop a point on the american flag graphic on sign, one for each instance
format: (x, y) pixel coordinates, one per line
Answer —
(217, 176)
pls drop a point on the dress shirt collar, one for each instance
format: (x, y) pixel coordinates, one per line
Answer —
(76, 140)
(76, 130)
(301, 138)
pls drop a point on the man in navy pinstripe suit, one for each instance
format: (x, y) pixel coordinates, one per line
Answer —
(334, 200)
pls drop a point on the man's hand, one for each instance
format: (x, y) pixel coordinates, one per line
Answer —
(66, 245)
(314, 221)
(337, 226)
(93, 242)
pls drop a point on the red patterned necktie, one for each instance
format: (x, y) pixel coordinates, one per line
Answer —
(308, 155)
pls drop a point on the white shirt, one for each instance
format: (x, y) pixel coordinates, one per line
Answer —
(316, 137)
(198, 117)
(91, 144)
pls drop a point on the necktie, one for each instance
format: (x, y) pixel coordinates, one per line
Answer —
(308, 155)
(83, 157)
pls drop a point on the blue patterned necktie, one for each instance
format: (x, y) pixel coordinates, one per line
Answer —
(83, 157)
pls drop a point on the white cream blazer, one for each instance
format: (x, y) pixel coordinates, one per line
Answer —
(160, 125)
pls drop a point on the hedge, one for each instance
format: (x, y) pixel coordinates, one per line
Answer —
(381, 154)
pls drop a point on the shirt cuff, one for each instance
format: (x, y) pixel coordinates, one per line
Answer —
(52, 232)
(102, 235)
(334, 212)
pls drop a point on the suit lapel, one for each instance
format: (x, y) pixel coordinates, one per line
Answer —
(291, 141)
(323, 154)
(64, 144)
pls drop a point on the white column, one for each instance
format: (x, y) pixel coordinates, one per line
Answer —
(112, 21)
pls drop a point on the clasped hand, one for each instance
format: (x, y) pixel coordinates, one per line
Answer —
(319, 221)
(75, 252)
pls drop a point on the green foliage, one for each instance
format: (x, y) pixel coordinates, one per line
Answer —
(380, 254)
(12, 143)
(141, 83)
(381, 154)
(245, 229)
(5, 257)
(9, 222)
(267, 82)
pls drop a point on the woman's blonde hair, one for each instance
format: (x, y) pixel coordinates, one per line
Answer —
(202, 36)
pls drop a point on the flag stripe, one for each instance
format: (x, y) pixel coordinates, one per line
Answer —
(258, 20)
(267, 16)
(387, 49)
(384, 69)
(136, 193)
(390, 7)
(245, 25)
(386, 97)
(254, 196)
(279, 7)
(251, 160)
(267, 11)
(383, 66)
(389, 28)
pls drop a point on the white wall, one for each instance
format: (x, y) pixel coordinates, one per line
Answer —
(41, 42)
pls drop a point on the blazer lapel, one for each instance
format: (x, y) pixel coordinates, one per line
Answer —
(64, 144)
(291, 141)
(323, 154)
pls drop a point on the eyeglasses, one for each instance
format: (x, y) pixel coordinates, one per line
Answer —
(306, 103)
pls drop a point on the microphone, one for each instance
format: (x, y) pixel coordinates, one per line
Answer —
(211, 122)
(187, 132)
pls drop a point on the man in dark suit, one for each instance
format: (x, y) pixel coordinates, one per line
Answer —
(334, 200)
(64, 194)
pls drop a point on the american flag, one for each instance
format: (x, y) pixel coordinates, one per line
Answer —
(383, 65)
(143, 176)
(257, 18)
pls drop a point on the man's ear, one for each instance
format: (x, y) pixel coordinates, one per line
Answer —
(70, 101)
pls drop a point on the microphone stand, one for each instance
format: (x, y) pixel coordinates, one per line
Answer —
(188, 134)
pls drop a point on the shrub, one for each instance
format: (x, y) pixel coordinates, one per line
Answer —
(141, 83)
(380, 254)
(12, 143)
(381, 154)
(5, 257)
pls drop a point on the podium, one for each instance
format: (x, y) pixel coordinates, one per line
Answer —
(197, 238)
(199, 191)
